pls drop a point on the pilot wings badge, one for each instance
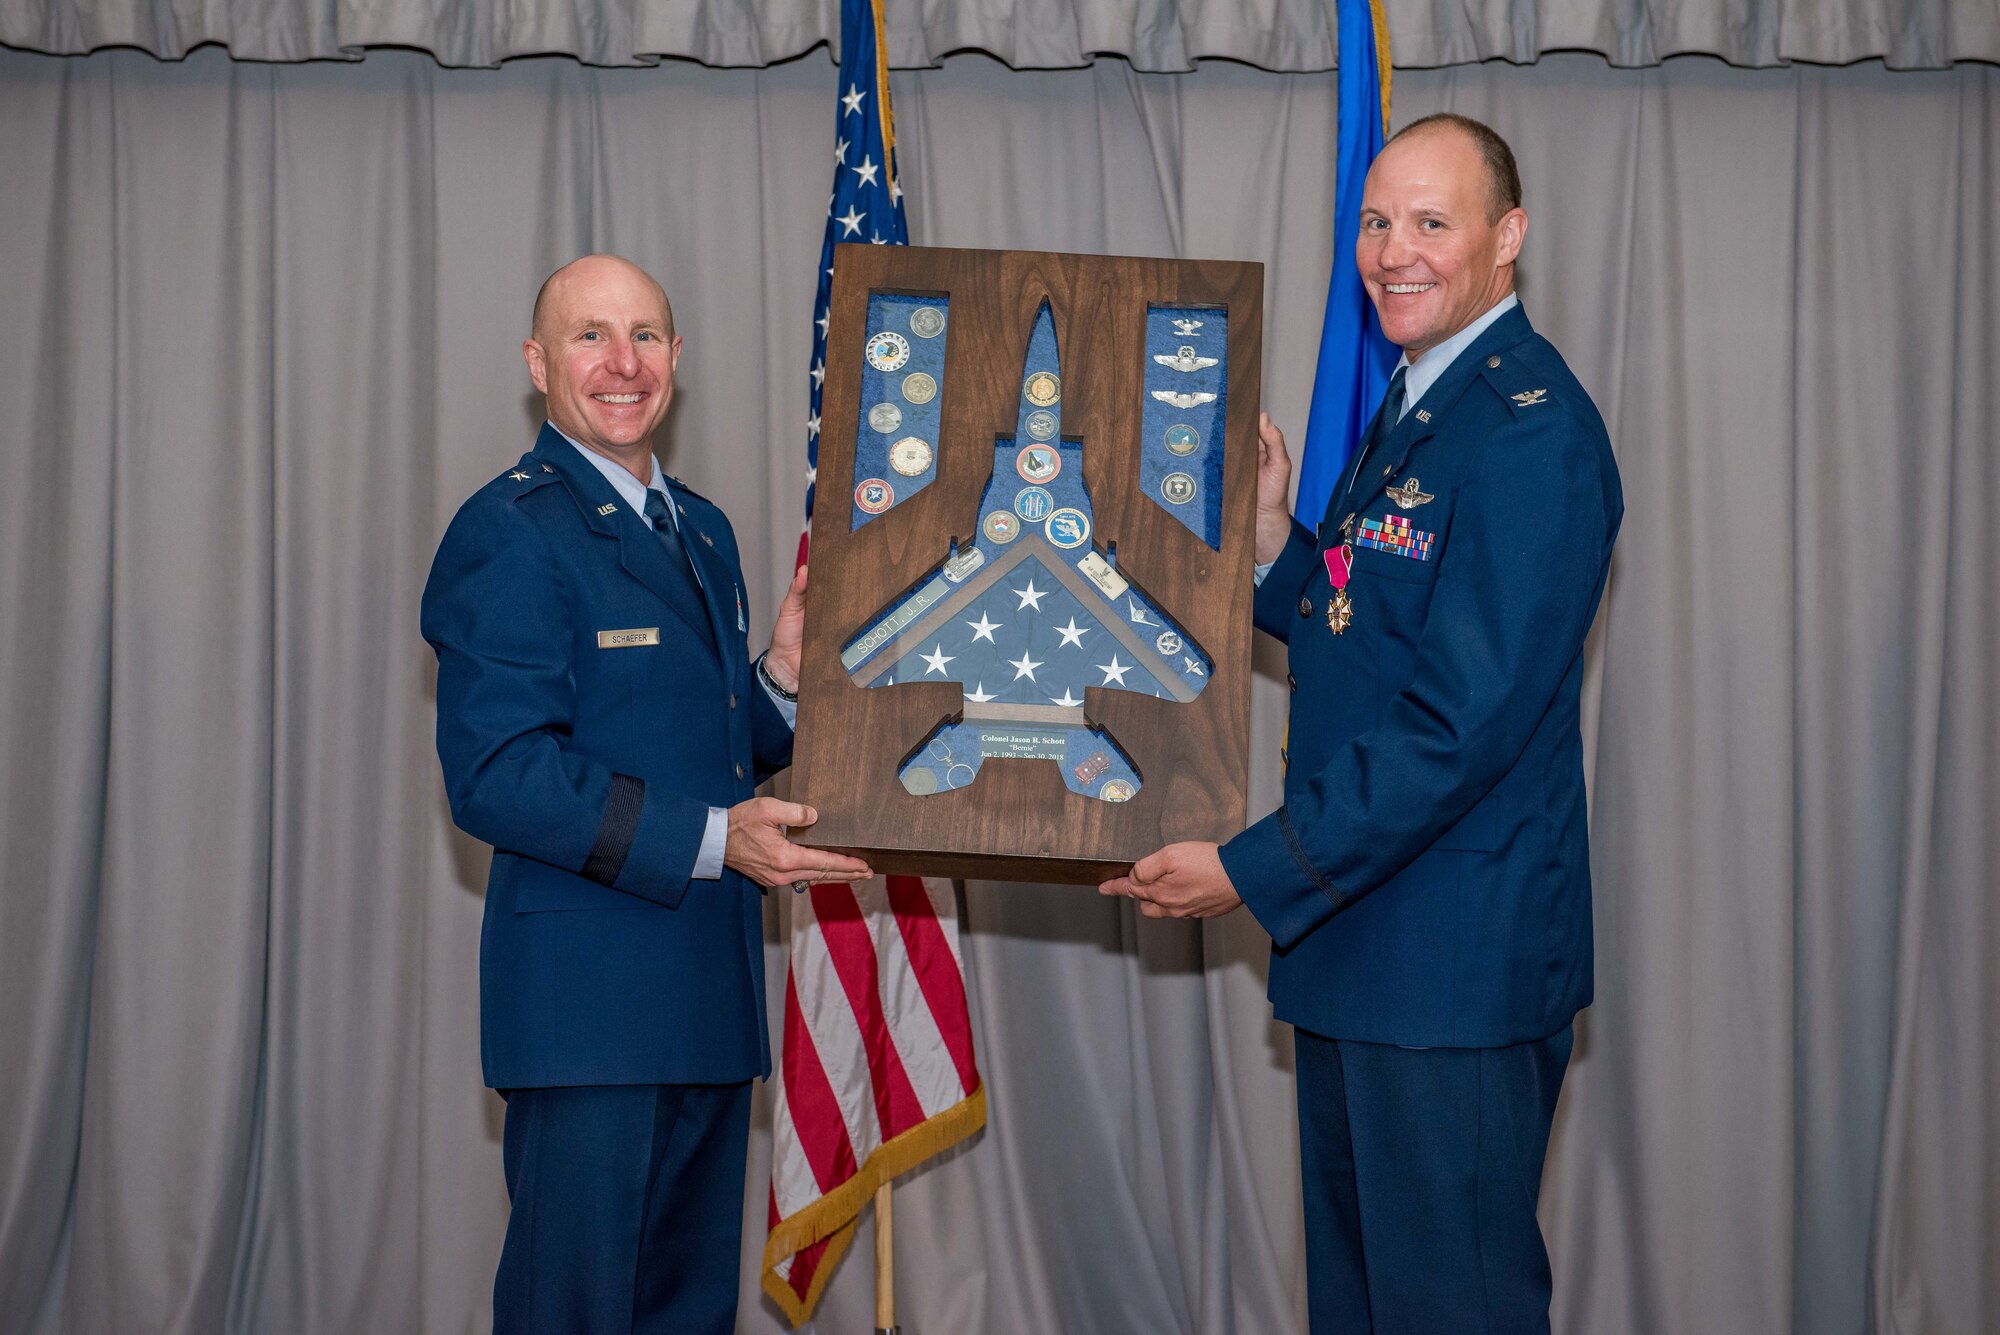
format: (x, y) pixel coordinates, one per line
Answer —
(1407, 496)
(1183, 400)
(1185, 359)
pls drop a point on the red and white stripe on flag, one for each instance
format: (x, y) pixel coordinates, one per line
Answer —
(876, 1072)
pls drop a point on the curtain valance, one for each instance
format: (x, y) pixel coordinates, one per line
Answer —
(1157, 35)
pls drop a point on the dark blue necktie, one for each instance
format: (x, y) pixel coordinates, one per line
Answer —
(1385, 422)
(668, 532)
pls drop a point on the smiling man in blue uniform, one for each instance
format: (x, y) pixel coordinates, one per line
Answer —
(1426, 882)
(602, 725)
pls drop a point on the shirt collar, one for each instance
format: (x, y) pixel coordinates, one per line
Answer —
(622, 480)
(1423, 374)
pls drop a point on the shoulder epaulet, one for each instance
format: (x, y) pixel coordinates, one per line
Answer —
(676, 482)
(524, 477)
(1518, 381)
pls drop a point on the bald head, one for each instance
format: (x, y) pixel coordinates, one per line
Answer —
(1503, 177)
(558, 286)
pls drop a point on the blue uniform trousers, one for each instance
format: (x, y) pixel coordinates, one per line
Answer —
(628, 1210)
(1421, 1169)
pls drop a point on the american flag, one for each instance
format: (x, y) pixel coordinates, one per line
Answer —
(867, 199)
(876, 1071)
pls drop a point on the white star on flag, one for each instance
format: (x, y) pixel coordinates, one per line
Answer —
(818, 372)
(852, 99)
(1114, 671)
(1072, 633)
(1030, 596)
(978, 694)
(983, 629)
(812, 425)
(866, 171)
(935, 660)
(840, 159)
(1068, 701)
(1023, 667)
(851, 220)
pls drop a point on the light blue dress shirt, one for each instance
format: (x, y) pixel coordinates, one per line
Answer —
(1423, 373)
(715, 835)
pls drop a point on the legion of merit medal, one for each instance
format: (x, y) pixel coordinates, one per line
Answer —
(1340, 607)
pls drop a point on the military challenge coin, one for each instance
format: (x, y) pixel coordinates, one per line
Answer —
(1034, 504)
(1068, 528)
(874, 496)
(927, 322)
(919, 388)
(888, 351)
(1116, 790)
(1038, 463)
(1178, 488)
(910, 456)
(1001, 527)
(1182, 439)
(885, 417)
(1043, 389)
(1041, 424)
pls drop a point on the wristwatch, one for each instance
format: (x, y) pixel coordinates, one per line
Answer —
(764, 674)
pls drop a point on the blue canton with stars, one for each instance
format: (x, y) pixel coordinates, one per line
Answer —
(867, 201)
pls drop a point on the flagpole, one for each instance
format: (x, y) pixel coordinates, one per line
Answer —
(885, 1262)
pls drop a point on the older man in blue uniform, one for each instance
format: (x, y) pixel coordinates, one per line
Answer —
(1426, 883)
(602, 725)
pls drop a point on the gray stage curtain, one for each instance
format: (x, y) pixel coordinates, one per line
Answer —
(1154, 35)
(262, 340)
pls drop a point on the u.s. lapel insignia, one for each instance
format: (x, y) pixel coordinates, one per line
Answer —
(1407, 496)
(547, 469)
(1531, 397)
(518, 475)
(1423, 414)
(606, 508)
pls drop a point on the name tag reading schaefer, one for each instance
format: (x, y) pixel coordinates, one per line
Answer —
(627, 639)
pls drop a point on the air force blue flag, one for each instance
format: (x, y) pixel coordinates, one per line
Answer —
(1354, 358)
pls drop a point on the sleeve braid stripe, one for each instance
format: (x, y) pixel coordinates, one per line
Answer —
(1298, 852)
(615, 832)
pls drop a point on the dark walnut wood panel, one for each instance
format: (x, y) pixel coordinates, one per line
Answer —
(1017, 821)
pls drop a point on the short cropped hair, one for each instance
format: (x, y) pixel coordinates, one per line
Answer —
(1503, 178)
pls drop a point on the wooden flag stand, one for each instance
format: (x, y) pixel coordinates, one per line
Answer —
(885, 1263)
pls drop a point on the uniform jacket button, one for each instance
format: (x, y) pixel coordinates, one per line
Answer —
(732, 699)
(1305, 607)
(739, 770)
(1291, 681)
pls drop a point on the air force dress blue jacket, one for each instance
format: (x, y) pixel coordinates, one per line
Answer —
(593, 704)
(1427, 880)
